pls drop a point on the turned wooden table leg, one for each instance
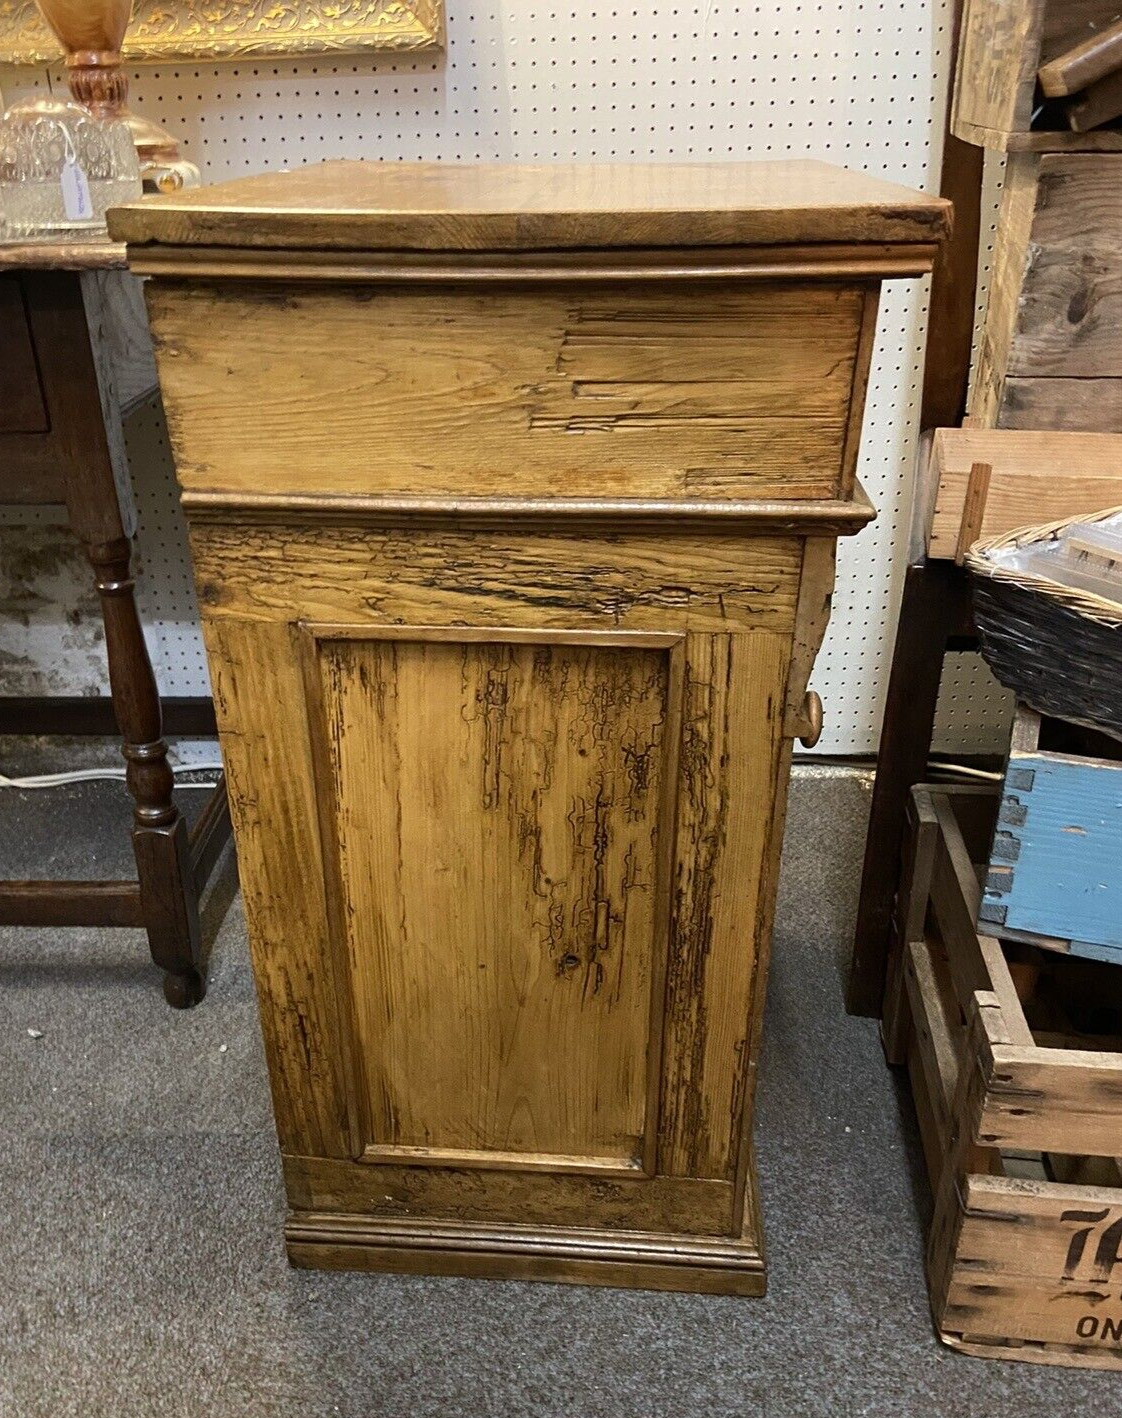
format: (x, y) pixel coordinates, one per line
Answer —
(159, 833)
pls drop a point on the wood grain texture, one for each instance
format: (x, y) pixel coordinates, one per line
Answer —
(1007, 275)
(1004, 43)
(998, 56)
(579, 391)
(1056, 296)
(611, 1200)
(1084, 63)
(1038, 1261)
(1100, 104)
(1091, 404)
(1070, 318)
(343, 573)
(722, 894)
(1035, 477)
(525, 484)
(260, 703)
(365, 206)
(497, 811)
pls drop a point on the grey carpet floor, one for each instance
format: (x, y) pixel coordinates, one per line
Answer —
(140, 1206)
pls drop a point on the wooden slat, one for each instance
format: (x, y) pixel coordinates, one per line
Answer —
(955, 895)
(1035, 477)
(210, 834)
(916, 868)
(262, 719)
(1051, 1100)
(935, 1022)
(731, 755)
(70, 903)
(1080, 66)
(997, 61)
(1100, 104)
(973, 509)
(1007, 275)
(192, 716)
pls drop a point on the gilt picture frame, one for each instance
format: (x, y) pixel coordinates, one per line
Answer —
(164, 30)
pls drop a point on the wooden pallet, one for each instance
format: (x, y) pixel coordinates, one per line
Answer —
(1020, 1114)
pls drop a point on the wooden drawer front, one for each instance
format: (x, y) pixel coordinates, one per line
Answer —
(22, 408)
(681, 390)
(537, 880)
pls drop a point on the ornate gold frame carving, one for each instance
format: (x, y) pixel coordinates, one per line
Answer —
(232, 29)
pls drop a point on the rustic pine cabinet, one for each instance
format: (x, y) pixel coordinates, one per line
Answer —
(514, 494)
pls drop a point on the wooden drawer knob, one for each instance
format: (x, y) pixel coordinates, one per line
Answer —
(812, 717)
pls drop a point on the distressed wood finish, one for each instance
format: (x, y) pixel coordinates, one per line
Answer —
(502, 805)
(411, 207)
(510, 634)
(576, 392)
(1051, 351)
(1034, 477)
(1004, 45)
(1084, 64)
(1020, 1126)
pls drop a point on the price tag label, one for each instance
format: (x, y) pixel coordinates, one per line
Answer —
(75, 192)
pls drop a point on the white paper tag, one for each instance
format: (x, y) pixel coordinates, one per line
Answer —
(75, 192)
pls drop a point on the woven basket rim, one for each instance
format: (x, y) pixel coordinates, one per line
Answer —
(1084, 603)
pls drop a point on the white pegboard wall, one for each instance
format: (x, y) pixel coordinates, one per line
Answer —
(859, 84)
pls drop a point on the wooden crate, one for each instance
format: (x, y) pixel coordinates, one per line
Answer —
(1050, 356)
(1003, 44)
(1029, 478)
(1015, 1061)
(1053, 876)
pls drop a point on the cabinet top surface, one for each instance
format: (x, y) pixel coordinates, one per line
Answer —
(369, 206)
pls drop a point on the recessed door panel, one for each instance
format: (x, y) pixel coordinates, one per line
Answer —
(500, 813)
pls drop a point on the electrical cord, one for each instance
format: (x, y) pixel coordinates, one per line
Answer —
(89, 775)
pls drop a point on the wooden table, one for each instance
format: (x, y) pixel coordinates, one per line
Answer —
(75, 358)
(514, 495)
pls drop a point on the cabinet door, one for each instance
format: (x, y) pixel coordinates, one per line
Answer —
(523, 886)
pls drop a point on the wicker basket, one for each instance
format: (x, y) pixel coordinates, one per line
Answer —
(1058, 649)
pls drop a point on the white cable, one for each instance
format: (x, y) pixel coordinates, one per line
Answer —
(88, 775)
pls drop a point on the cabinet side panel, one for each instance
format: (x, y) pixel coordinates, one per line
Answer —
(260, 704)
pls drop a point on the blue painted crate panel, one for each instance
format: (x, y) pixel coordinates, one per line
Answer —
(1056, 866)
